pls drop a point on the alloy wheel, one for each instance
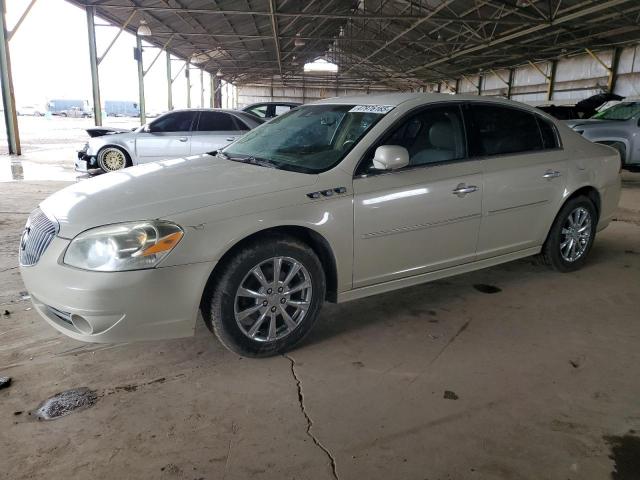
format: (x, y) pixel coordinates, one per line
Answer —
(575, 234)
(113, 160)
(273, 299)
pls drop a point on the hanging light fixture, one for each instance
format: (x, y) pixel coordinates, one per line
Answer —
(143, 28)
(199, 57)
(219, 73)
(294, 61)
(299, 42)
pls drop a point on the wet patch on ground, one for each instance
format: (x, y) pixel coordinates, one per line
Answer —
(484, 288)
(449, 395)
(66, 402)
(625, 453)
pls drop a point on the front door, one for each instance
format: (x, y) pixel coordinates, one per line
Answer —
(524, 177)
(169, 136)
(423, 217)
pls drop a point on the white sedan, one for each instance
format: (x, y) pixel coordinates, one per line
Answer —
(179, 133)
(337, 200)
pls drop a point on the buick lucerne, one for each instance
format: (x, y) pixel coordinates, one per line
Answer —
(336, 200)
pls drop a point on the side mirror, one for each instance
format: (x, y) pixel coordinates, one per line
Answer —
(390, 157)
(147, 128)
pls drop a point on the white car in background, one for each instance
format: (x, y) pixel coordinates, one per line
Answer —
(30, 111)
(179, 133)
(336, 200)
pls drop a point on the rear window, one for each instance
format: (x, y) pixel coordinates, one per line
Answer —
(216, 122)
(548, 132)
(498, 130)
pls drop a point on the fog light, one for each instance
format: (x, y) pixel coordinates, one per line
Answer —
(81, 324)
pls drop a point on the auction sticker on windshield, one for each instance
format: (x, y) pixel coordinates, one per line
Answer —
(381, 109)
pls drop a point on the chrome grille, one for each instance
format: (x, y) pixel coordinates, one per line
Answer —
(36, 237)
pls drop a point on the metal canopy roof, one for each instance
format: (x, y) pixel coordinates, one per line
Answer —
(387, 43)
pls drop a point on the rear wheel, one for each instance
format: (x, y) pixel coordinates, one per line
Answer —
(112, 159)
(571, 235)
(267, 297)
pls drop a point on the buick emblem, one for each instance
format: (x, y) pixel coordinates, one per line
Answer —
(24, 238)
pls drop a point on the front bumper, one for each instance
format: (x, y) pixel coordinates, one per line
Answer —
(85, 162)
(114, 307)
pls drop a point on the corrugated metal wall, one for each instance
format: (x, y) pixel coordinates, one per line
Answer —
(576, 77)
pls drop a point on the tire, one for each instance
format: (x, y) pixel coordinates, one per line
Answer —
(557, 250)
(263, 333)
(112, 159)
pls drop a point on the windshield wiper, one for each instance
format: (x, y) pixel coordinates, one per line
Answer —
(262, 162)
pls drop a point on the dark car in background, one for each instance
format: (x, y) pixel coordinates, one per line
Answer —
(270, 109)
(586, 108)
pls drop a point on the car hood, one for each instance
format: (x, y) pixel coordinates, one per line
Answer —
(159, 189)
(585, 122)
(101, 131)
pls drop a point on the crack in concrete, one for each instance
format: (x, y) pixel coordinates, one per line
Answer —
(332, 460)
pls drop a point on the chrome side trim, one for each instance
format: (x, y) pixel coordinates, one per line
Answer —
(524, 205)
(420, 226)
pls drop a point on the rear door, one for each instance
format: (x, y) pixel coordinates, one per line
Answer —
(215, 130)
(169, 136)
(524, 170)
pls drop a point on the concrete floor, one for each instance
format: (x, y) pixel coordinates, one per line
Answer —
(542, 381)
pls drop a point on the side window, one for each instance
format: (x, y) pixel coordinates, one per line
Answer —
(548, 131)
(173, 122)
(280, 109)
(431, 136)
(240, 124)
(215, 121)
(500, 130)
(259, 110)
(434, 135)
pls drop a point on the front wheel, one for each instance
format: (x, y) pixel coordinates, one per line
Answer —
(112, 159)
(571, 235)
(267, 297)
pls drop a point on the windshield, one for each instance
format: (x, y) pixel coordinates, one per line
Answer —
(621, 111)
(309, 139)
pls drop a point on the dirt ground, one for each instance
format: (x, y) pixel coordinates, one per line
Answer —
(538, 380)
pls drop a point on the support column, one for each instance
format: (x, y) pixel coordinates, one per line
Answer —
(510, 83)
(613, 71)
(480, 79)
(8, 98)
(93, 61)
(551, 79)
(201, 88)
(212, 90)
(169, 83)
(217, 92)
(141, 103)
(187, 72)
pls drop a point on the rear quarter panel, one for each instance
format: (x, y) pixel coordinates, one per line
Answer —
(593, 165)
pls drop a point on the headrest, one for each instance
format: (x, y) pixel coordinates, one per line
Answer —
(442, 135)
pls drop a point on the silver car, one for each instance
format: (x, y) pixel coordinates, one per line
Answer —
(179, 133)
(336, 200)
(618, 127)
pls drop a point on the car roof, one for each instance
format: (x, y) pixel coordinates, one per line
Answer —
(395, 99)
(291, 104)
(224, 110)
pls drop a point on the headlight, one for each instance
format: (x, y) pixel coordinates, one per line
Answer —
(123, 246)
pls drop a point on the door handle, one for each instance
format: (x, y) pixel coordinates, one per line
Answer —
(231, 139)
(462, 189)
(551, 174)
(183, 139)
